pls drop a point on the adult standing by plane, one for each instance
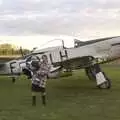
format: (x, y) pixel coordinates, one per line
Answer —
(39, 71)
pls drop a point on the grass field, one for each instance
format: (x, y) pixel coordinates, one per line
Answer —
(69, 98)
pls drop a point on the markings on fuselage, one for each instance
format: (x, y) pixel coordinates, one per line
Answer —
(65, 55)
(51, 59)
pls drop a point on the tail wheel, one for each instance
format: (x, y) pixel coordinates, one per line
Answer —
(13, 79)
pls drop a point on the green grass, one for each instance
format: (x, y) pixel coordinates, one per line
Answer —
(69, 98)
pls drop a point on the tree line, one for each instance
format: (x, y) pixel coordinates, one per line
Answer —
(9, 49)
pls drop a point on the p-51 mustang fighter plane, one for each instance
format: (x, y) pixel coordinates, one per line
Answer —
(86, 55)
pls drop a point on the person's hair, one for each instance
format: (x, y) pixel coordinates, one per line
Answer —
(35, 65)
(44, 57)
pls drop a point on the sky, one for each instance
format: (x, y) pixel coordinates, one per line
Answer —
(32, 23)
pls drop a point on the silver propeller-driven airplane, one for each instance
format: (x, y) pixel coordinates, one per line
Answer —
(86, 55)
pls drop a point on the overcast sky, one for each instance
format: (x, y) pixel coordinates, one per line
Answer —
(82, 18)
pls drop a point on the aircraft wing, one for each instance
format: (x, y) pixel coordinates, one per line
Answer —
(4, 59)
(76, 63)
(81, 62)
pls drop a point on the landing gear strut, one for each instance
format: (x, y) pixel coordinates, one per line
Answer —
(90, 73)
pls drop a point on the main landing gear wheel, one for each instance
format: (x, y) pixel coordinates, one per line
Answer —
(94, 72)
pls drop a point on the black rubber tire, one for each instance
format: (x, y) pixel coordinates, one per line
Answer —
(13, 80)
